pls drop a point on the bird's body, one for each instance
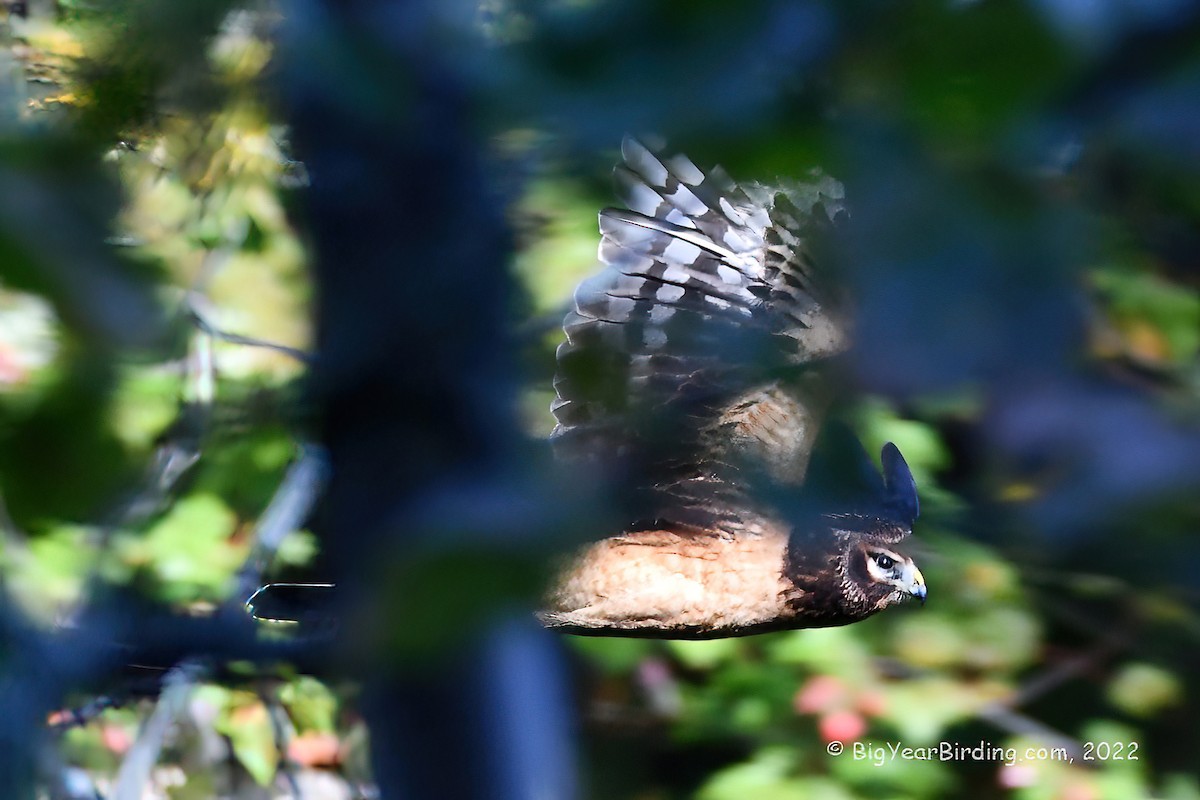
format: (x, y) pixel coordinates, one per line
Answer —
(685, 583)
(676, 582)
(692, 364)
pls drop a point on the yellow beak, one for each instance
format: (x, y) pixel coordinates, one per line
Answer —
(914, 582)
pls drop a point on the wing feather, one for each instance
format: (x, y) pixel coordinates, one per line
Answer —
(676, 349)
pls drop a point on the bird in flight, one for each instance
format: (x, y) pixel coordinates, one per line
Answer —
(692, 367)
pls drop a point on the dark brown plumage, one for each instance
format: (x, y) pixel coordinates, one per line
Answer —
(692, 363)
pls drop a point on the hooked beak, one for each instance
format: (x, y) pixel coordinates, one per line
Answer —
(914, 582)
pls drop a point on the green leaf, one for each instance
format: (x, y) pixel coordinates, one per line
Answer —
(922, 709)
(310, 704)
(1181, 787)
(189, 549)
(704, 654)
(48, 573)
(1143, 690)
(145, 403)
(870, 764)
(245, 720)
(1173, 311)
(614, 654)
(835, 651)
(766, 776)
(297, 549)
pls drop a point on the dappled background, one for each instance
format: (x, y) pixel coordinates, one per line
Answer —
(280, 287)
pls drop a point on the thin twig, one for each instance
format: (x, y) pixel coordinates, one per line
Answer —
(287, 511)
(1004, 714)
(1019, 724)
(82, 715)
(138, 763)
(283, 731)
(197, 319)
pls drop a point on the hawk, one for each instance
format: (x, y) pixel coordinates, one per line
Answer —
(692, 366)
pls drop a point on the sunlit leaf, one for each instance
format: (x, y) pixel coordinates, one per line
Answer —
(310, 704)
(247, 723)
(1143, 690)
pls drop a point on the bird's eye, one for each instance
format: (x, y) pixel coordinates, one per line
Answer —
(884, 562)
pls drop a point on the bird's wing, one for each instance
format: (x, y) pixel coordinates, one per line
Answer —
(682, 353)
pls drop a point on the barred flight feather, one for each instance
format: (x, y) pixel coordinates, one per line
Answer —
(676, 348)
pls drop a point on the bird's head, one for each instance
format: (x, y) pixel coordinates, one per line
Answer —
(884, 574)
(873, 560)
(851, 562)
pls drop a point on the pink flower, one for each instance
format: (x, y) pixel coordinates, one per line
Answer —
(821, 693)
(842, 726)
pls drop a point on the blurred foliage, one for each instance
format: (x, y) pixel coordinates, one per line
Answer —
(203, 207)
(1023, 180)
(140, 134)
